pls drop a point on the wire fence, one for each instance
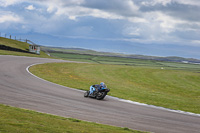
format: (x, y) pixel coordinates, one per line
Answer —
(9, 36)
(33, 48)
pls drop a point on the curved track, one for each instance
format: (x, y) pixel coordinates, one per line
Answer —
(21, 89)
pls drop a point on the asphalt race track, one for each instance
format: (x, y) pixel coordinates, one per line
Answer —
(21, 89)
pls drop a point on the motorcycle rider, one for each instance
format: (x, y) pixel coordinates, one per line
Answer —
(96, 88)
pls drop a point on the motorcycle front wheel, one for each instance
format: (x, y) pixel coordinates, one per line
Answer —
(86, 93)
(101, 95)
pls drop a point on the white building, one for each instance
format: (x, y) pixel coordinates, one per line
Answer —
(34, 49)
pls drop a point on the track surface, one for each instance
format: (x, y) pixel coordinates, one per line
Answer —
(20, 89)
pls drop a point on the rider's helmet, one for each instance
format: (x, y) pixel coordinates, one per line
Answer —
(102, 84)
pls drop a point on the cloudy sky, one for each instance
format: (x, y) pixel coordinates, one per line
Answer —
(147, 27)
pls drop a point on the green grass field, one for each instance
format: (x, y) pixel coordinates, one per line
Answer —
(15, 120)
(175, 89)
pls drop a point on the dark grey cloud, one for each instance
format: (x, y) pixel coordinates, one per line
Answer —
(176, 10)
(125, 8)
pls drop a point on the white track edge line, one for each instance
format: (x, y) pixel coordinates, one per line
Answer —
(27, 69)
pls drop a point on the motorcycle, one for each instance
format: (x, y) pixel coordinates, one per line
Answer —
(94, 92)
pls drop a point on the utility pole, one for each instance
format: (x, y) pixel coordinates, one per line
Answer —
(10, 36)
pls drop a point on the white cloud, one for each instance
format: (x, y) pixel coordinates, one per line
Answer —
(30, 7)
(137, 19)
(154, 2)
(132, 31)
(189, 2)
(72, 17)
(196, 42)
(9, 17)
(165, 2)
(79, 8)
(167, 23)
(6, 3)
(103, 14)
(77, 11)
(51, 9)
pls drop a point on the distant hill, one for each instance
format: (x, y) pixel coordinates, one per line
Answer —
(14, 47)
(92, 52)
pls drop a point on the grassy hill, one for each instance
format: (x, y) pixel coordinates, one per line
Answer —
(14, 47)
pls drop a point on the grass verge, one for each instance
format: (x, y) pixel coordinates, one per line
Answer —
(175, 89)
(15, 120)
